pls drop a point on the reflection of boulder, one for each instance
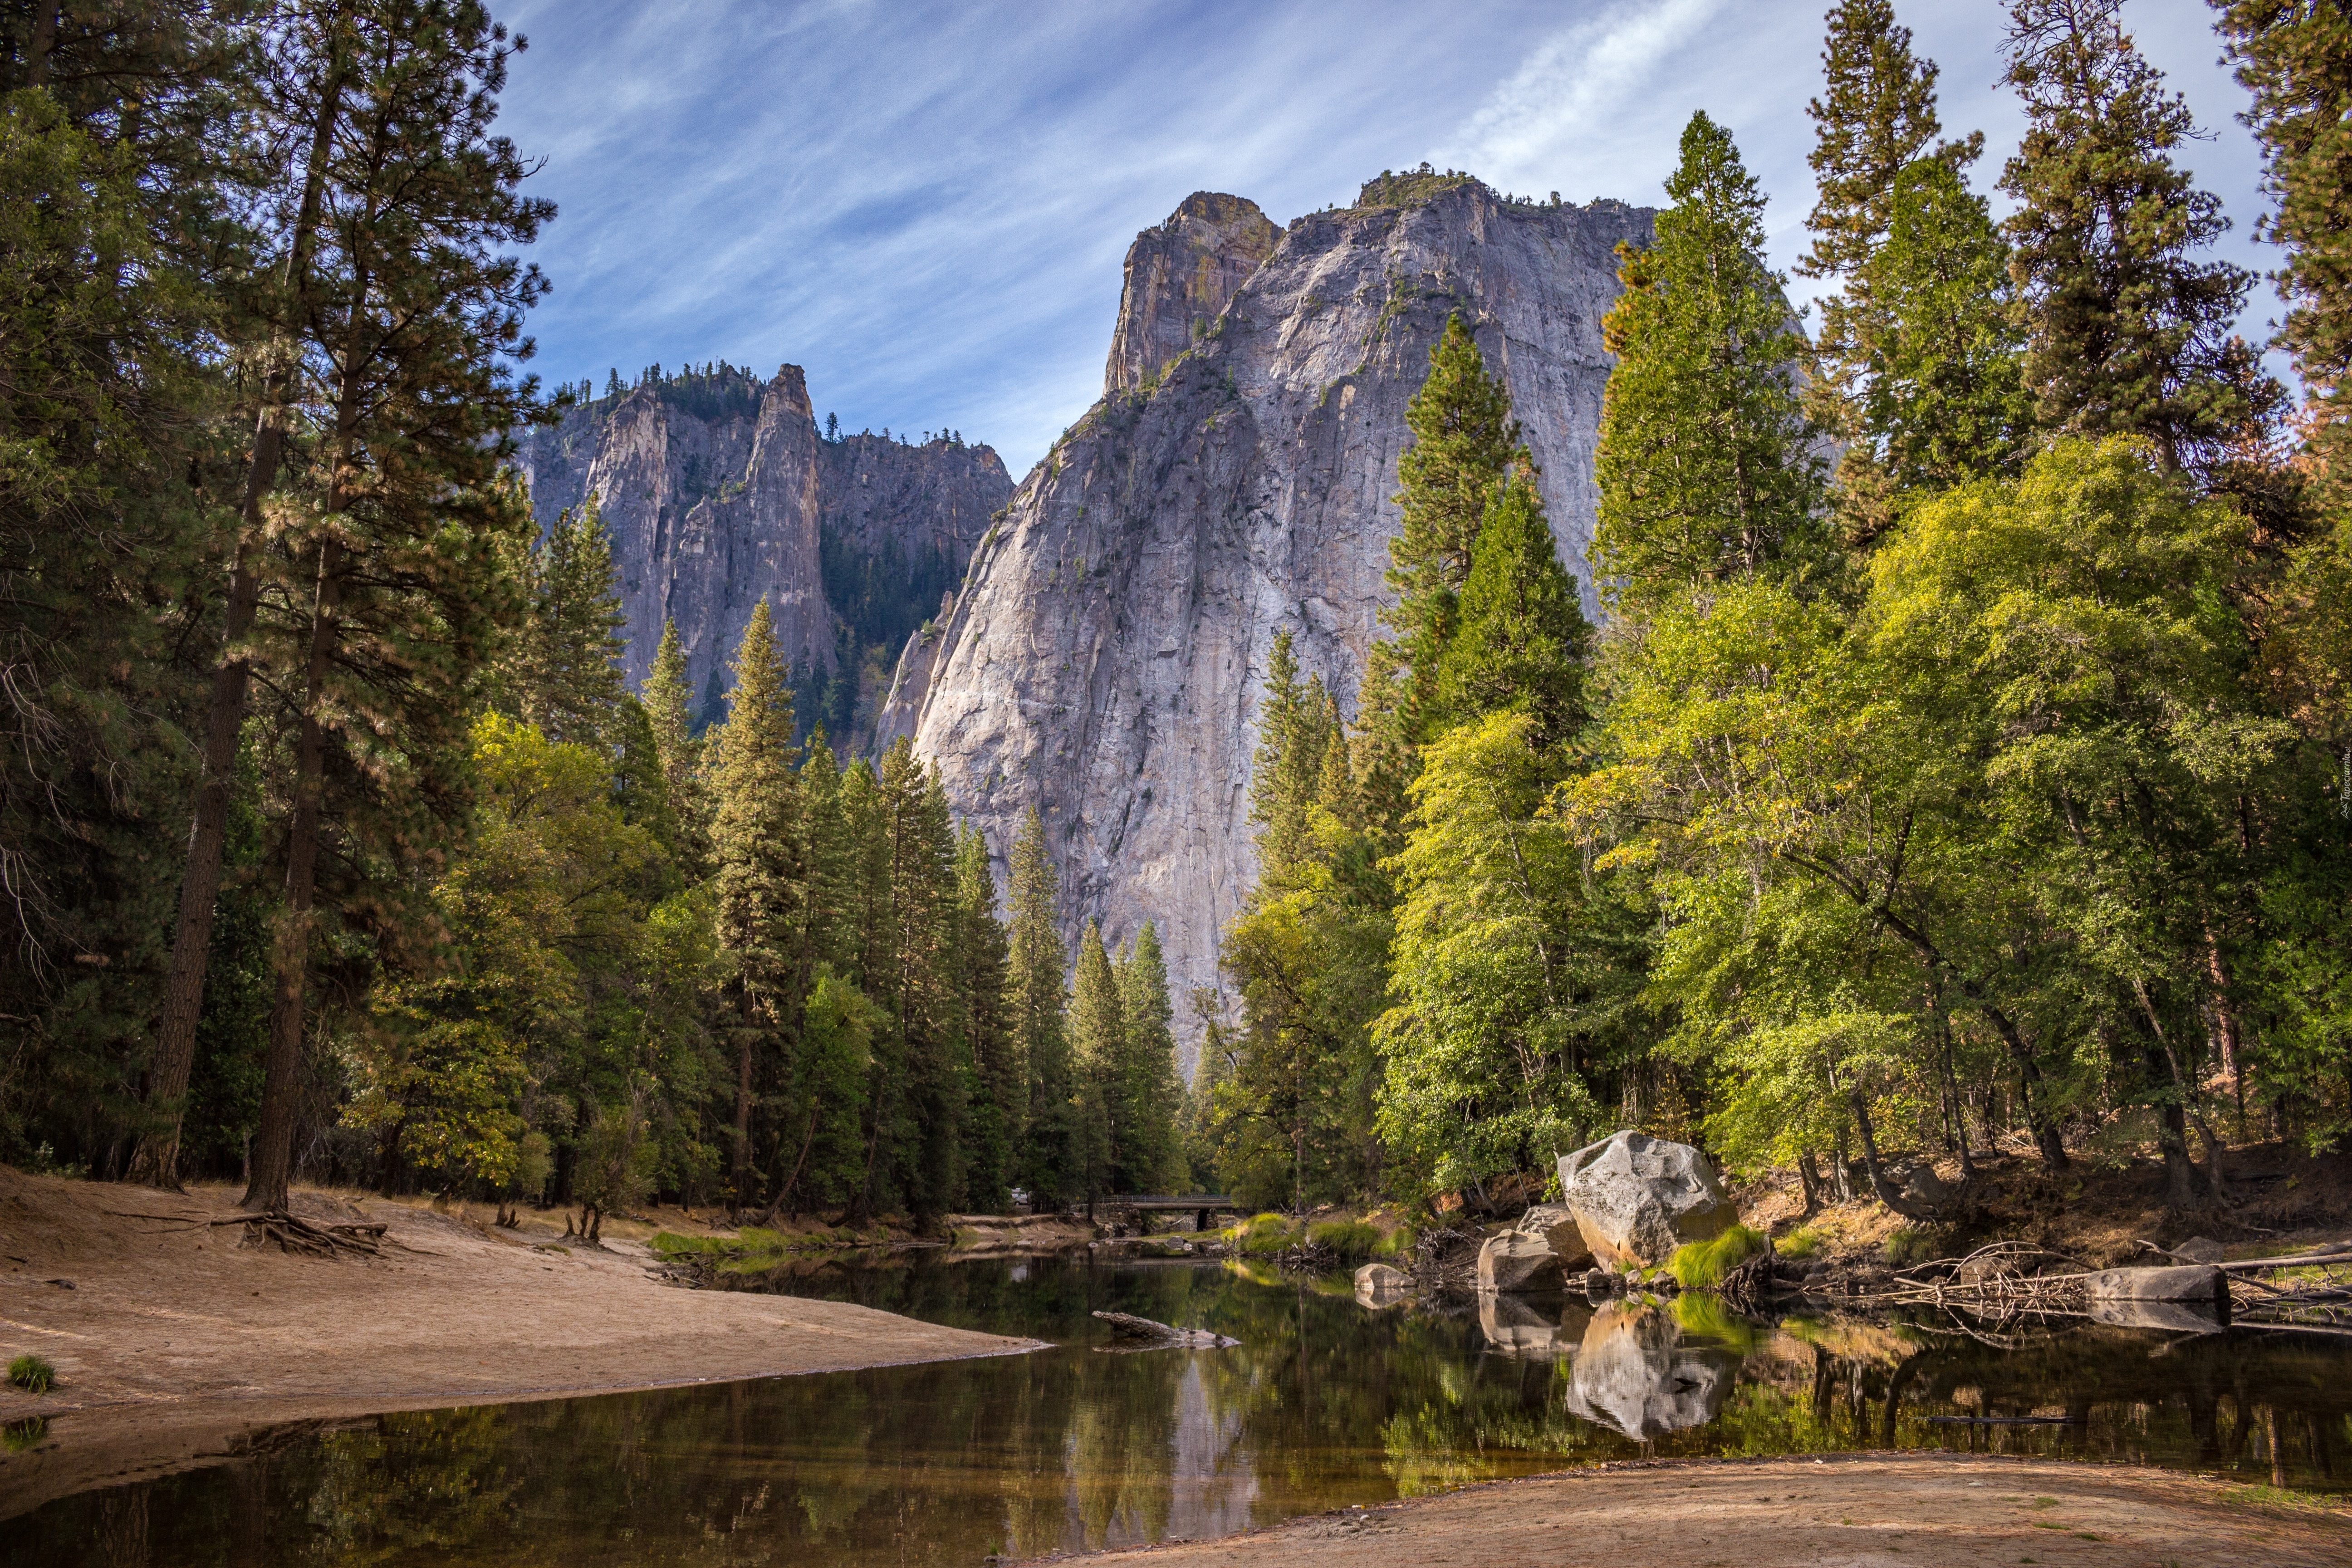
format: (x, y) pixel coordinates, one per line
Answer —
(1634, 1374)
(2171, 1317)
(1514, 1327)
(1378, 1286)
(1639, 1198)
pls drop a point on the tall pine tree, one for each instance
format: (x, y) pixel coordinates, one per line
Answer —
(1050, 1165)
(1153, 1094)
(758, 845)
(1097, 1054)
(1705, 462)
(2129, 334)
(1523, 637)
(1000, 1100)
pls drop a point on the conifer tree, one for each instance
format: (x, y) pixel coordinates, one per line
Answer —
(1151, 1093)
(2295, 57)
(1293, 732)
(669, 712)
(1000, 1100)
(1097, 1054)
(1876, 113)
(393, 595)
(569, 664)
(1464, 440)
(1704, 461)
(758, 845)
(2128, 334)
(1523, 637)
(1049, 1154)
(935, 1059)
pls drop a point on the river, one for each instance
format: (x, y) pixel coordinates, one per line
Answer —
(1324, 1404)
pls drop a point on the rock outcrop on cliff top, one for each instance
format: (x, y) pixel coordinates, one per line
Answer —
(1104, 659)
(718, 490)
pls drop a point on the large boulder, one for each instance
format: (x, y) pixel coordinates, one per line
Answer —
(1537, 1253)
(1637, 1198)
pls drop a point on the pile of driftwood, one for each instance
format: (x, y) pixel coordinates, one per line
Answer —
(2009, 1281)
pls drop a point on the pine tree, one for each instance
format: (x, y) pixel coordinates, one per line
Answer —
(393, 595)
(758, 845)
(1151, 1093)
(1877, 113)
(1945, 402)
(2295, 57)
(1049, 1154)
(1000, 1100)
(1295, 730)
(1097, 1053)
(568, 670)
(2128, 335)
(1523, 638)
(936, 1063)
(1704, 462)
(667, 699)
(1464, 440)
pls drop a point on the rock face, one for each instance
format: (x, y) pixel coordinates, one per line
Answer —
(1104, 656)
(717, 490)
(1637, 1198)
(1179, 276)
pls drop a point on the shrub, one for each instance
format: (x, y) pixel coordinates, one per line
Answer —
(1353, 1240)
(32, 1374)
(1701, 1265)
(1801, 1242)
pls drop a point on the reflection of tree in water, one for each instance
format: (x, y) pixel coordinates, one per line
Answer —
(1323, 1404)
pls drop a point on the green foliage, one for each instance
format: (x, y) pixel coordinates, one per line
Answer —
(566, 675)
(32, 1374)
(1262, 1236)
(1353, 1240)
(1050, 1162)
(2127, 334)
(2296, 61)
(1907, 1245)
(1701, 1265)
(1522, 637)
(1800, 1243)
(1705, 461)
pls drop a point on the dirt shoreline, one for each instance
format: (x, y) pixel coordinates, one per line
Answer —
(177, 1347)
(1918, 1511)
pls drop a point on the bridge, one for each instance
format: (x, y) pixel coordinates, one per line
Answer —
(1205, 1205)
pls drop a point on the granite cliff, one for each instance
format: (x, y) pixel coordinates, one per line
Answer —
(718, 488)
(1103, 658)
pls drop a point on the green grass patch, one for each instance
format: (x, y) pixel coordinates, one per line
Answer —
(1353, 1240)
(20, 1437)
(1262, 1235)
(1801, 1242)
(1701, 1265)
(1396, 1243)
(33, 1374)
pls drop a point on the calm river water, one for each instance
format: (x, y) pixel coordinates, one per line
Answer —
(1324, 1404)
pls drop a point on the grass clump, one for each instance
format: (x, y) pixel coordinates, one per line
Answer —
(1396, 1243)
(1908, 1245)
(1262, 1235)
(22, 1436)
(1701, 1265)
(32, 1374)
(1801, 1242)
(1353, 1240)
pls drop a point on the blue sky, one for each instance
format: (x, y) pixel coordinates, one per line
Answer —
(926, 206)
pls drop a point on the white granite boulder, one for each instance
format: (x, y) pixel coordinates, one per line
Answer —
(1637, 1198)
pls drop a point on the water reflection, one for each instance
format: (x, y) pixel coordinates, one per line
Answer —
(1323, 1404)
(1634, 1374)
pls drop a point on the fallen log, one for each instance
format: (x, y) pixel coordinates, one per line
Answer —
(1127, 1326)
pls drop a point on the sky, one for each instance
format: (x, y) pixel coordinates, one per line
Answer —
(926, 206)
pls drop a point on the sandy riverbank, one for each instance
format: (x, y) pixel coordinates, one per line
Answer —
(173, 1344)
(1922, 1511)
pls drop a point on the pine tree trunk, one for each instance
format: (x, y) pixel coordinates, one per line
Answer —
(156, 1159)
(273, 1151)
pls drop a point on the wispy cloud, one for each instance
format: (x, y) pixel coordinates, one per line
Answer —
(926, 203)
